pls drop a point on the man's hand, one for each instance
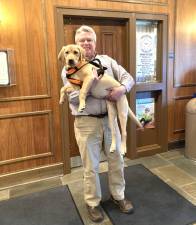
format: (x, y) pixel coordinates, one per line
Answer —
(115, 93)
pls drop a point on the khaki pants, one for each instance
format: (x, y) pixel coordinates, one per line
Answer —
(90, 133)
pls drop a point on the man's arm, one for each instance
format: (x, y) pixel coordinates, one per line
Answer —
(124, 78)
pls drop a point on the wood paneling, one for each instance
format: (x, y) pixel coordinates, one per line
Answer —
(26, 136)
(185, 44)
(27, 37)
(29, 110)
(181, 66)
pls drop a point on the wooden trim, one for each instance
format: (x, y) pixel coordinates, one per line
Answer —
(101, 12)
(44, 26)
(29, 157)
(146, 2)
(32, 175)
(21, 98)
(182, 97)
(178, 131)
(131, 127)
(59, 28)
(183, 85)
(156, 86)
(148, 147)
(149, 150)
(33, 113)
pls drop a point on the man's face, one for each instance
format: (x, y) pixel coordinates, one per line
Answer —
(85, 40)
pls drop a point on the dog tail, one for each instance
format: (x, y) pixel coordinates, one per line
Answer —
(134, 118)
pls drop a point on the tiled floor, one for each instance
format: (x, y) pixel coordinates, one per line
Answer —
(172, 167)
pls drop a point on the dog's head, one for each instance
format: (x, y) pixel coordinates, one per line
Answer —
(71, 55)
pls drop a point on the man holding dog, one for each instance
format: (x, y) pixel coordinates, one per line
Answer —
(92, 132)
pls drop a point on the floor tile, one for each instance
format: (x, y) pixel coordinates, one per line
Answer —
(35, 187)
(178, 153)
(176, 175)
(159, 174)
(190, 189)
(75, 175)
(185, 164)
(4, 194)
(149, 162)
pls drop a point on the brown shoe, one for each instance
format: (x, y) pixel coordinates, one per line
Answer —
(95, 213)
(124, 205)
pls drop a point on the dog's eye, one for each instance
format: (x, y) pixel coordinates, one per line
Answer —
(75, 52)
(66, 52)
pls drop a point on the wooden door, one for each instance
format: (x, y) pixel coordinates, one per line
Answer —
(111, 40)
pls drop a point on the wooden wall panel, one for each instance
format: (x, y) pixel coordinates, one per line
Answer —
(26, 136)
(181, 66)
(185, 44)
(30, 53)
(29, 110)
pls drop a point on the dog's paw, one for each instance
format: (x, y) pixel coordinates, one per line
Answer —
(123, 149)
(61, 102)
(81, 108)
(113, 147)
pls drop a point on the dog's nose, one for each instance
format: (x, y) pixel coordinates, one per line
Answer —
(71, 62)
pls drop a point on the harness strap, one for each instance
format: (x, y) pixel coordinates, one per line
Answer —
(73, 70)
(101, 69)
(75, 81)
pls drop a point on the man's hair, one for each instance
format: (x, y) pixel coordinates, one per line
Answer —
(86, 29)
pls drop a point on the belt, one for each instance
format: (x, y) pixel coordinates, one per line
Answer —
(97, 116)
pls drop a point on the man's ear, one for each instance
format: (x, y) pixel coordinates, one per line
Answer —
(82, 53)
(61, 54)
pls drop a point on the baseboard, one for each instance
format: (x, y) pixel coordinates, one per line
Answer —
(176, 144)
(31, 175)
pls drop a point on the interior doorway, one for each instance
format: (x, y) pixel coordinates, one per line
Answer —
(111, 40)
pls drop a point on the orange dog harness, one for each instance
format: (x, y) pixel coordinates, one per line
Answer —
(73, 70)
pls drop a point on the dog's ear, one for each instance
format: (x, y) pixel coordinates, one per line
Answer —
(61, 54)
(82, 53)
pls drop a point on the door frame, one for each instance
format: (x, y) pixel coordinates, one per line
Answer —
(59, 13)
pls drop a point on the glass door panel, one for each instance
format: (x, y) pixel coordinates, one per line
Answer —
(146, 51)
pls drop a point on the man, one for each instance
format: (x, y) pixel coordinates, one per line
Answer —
(92, 132)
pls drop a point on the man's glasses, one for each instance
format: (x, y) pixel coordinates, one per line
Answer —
(88, 40)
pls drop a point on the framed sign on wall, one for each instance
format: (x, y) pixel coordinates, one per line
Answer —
(7, 74)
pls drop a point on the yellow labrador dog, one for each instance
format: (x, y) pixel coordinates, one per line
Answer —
(81, 76)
